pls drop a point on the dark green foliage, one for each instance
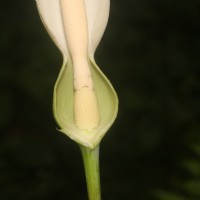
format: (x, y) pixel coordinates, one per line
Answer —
(187, 185)
(150, 52)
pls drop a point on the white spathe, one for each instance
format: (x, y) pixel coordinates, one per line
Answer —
(97, 12)
(97, 17)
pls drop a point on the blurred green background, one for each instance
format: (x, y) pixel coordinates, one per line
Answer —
(151, 54)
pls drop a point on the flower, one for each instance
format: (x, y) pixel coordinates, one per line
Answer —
(85, 104)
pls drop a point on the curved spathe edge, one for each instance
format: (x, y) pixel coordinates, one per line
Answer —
(63, 107)
(97, 17)
(50, 14)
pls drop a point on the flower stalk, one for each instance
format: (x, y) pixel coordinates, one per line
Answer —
(92, 173)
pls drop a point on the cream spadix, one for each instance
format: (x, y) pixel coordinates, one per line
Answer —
(85, 103)
(76, 32)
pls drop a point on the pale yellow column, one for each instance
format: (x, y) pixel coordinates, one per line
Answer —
(76, 32)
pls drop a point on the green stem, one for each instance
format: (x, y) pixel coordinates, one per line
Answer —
(91, 165)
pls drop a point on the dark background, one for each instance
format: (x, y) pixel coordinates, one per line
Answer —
(151, 54)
